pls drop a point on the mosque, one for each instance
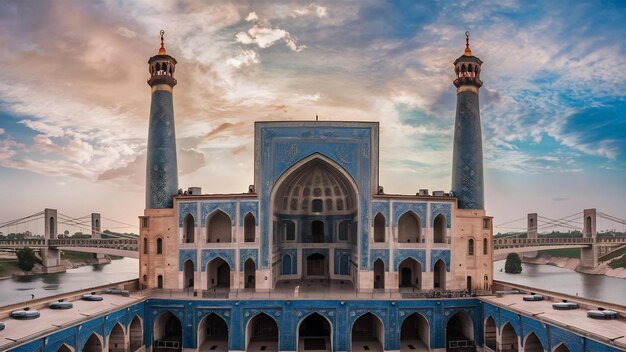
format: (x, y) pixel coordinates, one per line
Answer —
(316, 223)
(315, 256)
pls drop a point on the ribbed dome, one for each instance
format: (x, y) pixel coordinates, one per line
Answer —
(315, 188)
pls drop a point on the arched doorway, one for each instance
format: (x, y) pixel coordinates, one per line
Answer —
(262, 334)
(249, 225)
(160, 281)
(189, 227)
(93, 344)
(379, 228)
(379, 274)
(219, 228)
(468, 282)
(188, 274)
(314, 334)
(213, 334)
(459, 332)
(249, 273)
(316, 266)
(218, 274)
(561, 348)
(65, 348)
(409, 229)
(317, 231)
(439, 229)
(368, 334)
(410, 274)
(490, 333)
(117, 339)
(316, 202)
(168, 333)
(415, 333)
(533, 344)
(136, 334)
(439, 275)
(508, 339)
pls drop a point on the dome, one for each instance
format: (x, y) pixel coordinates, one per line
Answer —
(314, 188)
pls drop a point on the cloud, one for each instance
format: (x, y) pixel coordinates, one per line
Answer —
(1, 131)
(265, 36)
(319, 11)
(244, 58)
(125, 32)
(251, 17)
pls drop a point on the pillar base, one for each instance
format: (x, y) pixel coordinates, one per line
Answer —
(54, 269)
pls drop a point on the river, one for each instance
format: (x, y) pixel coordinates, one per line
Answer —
(553, 278)
(546, 277)
(21, 288)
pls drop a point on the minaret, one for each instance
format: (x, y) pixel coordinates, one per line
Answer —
(467, 159)
(162, 168)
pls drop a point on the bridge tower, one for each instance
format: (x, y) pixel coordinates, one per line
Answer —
(531, 232)
(97, 234)
(158, 231)
(473, 230)
(589, 256)
(95, 226)
(51, 258)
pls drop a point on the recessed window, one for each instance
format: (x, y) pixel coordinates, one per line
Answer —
(486, 223)
(470, 247)
(317, 206)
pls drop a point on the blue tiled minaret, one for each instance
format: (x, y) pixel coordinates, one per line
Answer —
(162, 167)
(467, 159)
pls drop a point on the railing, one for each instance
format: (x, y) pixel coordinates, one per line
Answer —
(320, 293)
(528, 242)
(25, 243)
(174, 345)
(88, 242)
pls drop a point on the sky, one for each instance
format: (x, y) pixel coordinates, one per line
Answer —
(74, 103)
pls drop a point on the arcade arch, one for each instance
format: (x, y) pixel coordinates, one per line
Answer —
(415, 333)
(561, 348)
(439, 275)
(533, 344)
(379, 274)
(508, 338)
(490, 333)
(93, 344)
(410, 274)
(262, 334)
(459, 331)
(188, 274)
(314, 333)
(167, 332)
(213, 334)
(249, 273)
(439, 229)
(379, 228)
(135, 330)
(409, 228)
(249, 224)
(65, 348)
(218, 274)
(117, 339)
(189, 229)
(368, 333)
(219, 228)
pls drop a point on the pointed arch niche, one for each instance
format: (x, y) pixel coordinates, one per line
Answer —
(315, 202)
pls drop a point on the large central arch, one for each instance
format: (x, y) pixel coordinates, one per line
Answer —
(314, 204)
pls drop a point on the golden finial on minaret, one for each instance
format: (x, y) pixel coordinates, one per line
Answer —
(162, 49)
(468, 51)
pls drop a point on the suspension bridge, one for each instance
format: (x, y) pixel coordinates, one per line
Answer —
(50, 243)
(594, 247)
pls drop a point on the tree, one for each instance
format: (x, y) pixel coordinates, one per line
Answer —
(26, 259)
(513, 264)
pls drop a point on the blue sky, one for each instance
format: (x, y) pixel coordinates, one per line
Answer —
(74, 102)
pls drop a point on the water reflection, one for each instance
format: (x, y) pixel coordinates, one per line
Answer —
(567, 281)
(21, 288)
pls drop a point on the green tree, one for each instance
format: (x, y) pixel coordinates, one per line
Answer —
(513, 264)
(26, 259)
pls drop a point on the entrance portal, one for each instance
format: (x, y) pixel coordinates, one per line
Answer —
(315, 265)
(460, 333)
(314, 334)
(168, 333)
(368, 334)
(262, 334)
(213, 334)
(414, 333)
(218, 273)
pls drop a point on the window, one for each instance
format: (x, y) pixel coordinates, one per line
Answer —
(159, 246)
(470, 247)
(379, 228)
(485, 246)
(160, 281)
(290, 230)
(286, 265)
(317, 205)
(144, 221)
(486, 224)
(344, 230)
(145, 245)
(249, 224)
